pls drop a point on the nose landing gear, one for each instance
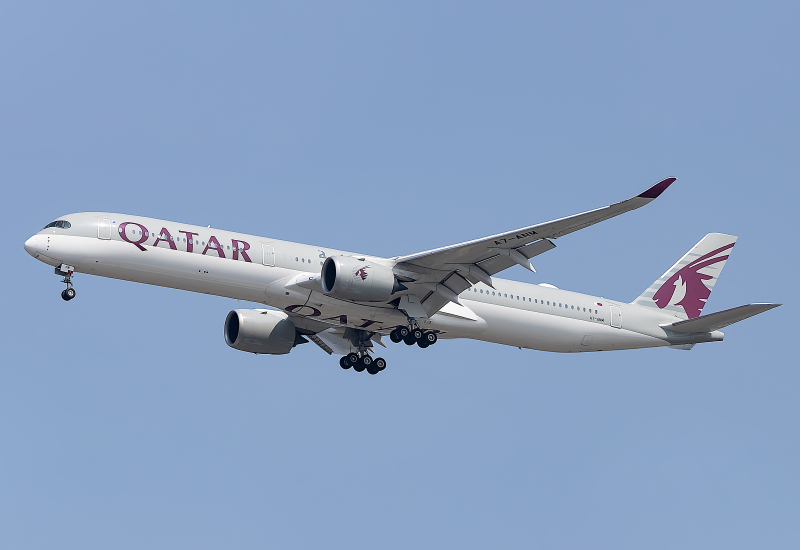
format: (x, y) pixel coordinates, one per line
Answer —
(66, 271)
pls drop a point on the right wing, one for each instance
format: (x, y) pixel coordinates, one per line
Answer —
(438, 276)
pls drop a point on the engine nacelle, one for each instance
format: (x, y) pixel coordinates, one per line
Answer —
(349, 278)
(260, 331)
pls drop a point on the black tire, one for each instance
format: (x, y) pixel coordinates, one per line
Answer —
(367, 360)
(379, 363)
(70, 292)
(403, 332)
(353, 358)
(409, 340)
(431, 338)
(344, 362)
(417, 334)
(372, 369)
(395, 337)
(359, 365)
(422, 343)
(64, 296)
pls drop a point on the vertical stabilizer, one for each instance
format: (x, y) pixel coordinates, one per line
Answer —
(685, 287)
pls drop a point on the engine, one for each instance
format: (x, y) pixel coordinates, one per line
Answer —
(260, 331)
(349, 278)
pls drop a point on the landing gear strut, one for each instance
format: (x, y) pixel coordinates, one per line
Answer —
(361, 360)
(66, 271)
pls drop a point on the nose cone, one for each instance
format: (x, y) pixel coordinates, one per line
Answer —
(35, 245)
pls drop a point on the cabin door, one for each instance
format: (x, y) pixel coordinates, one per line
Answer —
(268, 254)
(103, 228)
(616, 317)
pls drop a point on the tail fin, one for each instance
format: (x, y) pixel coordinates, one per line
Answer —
(686, 286)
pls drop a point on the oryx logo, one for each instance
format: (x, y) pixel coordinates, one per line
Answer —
(363, 272)
(686, 287)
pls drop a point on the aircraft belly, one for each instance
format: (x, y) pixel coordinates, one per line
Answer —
(540, 331)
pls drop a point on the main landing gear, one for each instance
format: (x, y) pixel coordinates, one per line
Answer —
(66, 271)
(414, 335)
(362, 361)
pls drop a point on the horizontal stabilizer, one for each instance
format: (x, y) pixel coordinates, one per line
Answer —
(720, 319)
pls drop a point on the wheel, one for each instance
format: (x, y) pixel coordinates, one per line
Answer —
(379, 363)
(417, 334)
(366, 360)
(403, 332)
(64, 296)
(423, 343)
(344, 362)
(353, 358)
(431, 338)
(68, 294)
(395, 337)
(359, 365)
(409, 340)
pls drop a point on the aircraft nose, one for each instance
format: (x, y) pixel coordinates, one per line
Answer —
(33, 246)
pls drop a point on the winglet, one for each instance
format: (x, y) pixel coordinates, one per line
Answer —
(657, 189)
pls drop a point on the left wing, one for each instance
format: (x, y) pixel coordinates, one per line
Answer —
(438, 276)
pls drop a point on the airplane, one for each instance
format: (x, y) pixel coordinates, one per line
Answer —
(345, 302)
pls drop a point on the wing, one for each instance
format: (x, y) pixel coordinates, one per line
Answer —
(437, 276)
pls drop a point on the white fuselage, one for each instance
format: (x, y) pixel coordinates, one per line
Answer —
(265, 271)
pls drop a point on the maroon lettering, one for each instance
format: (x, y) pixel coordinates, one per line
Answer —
(167, 238)
(244, 248)
(189, 240)
(342, 319)
(123, 233)
(216, 248)
(315, 311)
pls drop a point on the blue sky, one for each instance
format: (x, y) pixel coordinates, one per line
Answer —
(391, 128)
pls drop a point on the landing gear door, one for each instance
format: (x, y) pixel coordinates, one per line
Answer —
(616, 317)
(103, 228)
(268, 254)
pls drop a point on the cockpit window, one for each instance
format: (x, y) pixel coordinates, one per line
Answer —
(61, 224)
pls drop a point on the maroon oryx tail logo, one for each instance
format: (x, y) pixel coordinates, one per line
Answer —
(363, 272)
(691, 280)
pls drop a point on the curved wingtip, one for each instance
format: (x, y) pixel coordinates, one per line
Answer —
(657, 189)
